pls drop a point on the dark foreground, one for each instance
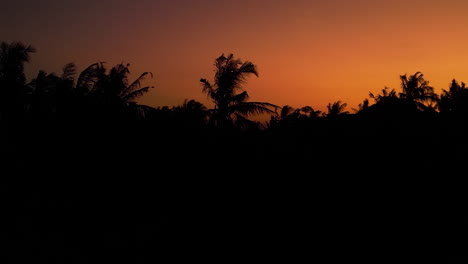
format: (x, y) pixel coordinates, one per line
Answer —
(181, 197)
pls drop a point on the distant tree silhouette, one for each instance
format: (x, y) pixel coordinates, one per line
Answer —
(114, 94)
(12, 78)
(52, 91)
(88, 78)
(305, 112)
(386, 103)
(292, 116)
(59, 96)
(385, 97)
(309, 112)
(362, 106)
(231, 105)
(417, 91)
(416, 97)
(192, 113)
(43, 102)
(336, 109)
(455, 100)
(96, 92)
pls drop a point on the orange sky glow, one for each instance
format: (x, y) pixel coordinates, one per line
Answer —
(307, 52)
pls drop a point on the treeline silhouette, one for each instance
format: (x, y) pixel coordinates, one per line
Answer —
(166, 180)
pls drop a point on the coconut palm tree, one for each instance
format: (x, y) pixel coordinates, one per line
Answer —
(417, 91)
(115, 85)
(231, 101)
(13, 56)
(110, 92)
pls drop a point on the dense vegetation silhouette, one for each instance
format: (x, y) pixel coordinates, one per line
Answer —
(88, 169)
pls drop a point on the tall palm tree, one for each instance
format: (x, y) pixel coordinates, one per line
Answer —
(115, 85)
(227, 93)
(417, 91)
(13, 56)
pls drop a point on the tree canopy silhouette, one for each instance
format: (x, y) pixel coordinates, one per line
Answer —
(417, 91)
(13, 56)
(227, 93)
(455, 99)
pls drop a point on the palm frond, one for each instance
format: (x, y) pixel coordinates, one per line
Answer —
(209, 89)
(118, 76)
(239, 98)
(17, 50)
(248, 67)
(286, 111)
(253, 108)
(232, 73)
(137, 93)
(337, 108)
(68, 71)
(243, 122)
(140, 110)
(193, 106)
(135, 84)
(12, 58)
(89, 76)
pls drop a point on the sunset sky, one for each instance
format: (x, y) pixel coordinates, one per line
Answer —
(308, 52)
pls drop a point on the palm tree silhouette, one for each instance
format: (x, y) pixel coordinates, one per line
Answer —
(306, 112)
(362, 106)
(417, 91)
(113, 92)
(286, 111)
(13, 56)
(231, 106)
(43, 95)
(454, 101)
(97, 91)
(12, 59)
(50, 92)
(385, 97)
(336, 109)
(192, 113)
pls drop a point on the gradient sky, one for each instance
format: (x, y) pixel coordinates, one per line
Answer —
(308, 52)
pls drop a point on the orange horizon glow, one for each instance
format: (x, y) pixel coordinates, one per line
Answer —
(307, 52)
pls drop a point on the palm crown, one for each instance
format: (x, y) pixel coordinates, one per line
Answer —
(228, 95)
